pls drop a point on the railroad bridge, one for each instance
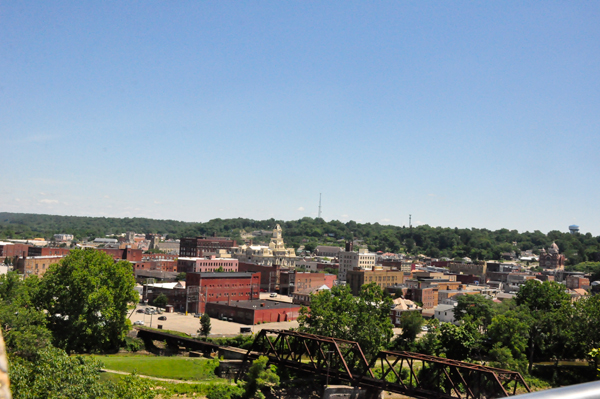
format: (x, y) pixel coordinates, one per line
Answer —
(407, 373)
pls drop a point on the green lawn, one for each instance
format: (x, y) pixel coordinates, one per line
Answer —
(177, 368)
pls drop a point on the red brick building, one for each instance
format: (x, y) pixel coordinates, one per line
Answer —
(552, 259)
(292, 281)
(222, 287)
(158, 265)
(46, 251)
(254, 312)
(269, 275)
(10, 250)
(146, 257)
(427, 296)
(199, 246)
(574, 282)
(208, 264)
(130, 254)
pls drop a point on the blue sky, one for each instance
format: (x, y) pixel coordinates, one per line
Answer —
(469, 114)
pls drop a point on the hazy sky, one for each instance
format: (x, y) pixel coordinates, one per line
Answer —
(469, 114)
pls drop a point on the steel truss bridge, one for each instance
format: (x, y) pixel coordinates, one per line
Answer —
(407, 373)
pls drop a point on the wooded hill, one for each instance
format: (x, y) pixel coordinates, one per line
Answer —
(478, 244)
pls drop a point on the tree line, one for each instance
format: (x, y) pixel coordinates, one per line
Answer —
(437, 242)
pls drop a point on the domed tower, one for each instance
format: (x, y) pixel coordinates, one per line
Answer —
(552, 259)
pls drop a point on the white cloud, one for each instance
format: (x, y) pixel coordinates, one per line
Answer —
(431, 195)
(18, 199)
(345, 216)
(157, 202)
(301, 208)
(49, 201)
(385, 220)
(107, 196)
(42, 193)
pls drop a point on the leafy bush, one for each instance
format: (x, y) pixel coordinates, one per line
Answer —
(133, 344)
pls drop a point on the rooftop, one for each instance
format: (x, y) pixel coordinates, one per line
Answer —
(257, 304)
(225, 274)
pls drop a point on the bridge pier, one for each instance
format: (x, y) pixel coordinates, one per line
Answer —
(347, 392)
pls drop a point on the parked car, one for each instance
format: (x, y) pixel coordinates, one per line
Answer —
(273, 295)
(140, 310)
(424, 328)
(244, 330)
(162, 318)
(197, 315)
(138, 323)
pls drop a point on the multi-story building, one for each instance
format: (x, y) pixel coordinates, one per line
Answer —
(477, 269)
(350, 260)
(576, 282)
(292, 281)
(401, 306)
(274, 254)
(128, 253)
(162, 265)
(270, 276)
(329, 251)
(399, 264)
(47, 251)
(552, 259)
(10, 250)
(37, 265)
(382, 277)
(63, 238)
(202, 246)
(222, 287)
(208, 264)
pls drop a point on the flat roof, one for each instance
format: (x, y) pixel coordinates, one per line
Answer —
(224, 274)
(257, 304)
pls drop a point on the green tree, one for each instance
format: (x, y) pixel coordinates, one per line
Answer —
(181, 276)
(54, 374)
(24, 326)
(364, 319)
(205, 326)
(260, 376)
(86, 298)
(460, 342)
(477, 307)
(161, 301)
(411, 323)
(510, 332)
(546, 297)
(544, 301)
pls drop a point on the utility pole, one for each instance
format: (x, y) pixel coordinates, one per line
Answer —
(319, 205)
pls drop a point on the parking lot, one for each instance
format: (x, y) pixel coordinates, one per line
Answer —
(190, 324)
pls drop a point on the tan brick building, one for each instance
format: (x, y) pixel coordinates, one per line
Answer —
(382, 277)
(37, 265)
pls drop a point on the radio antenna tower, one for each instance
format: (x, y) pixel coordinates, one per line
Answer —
(410, 221)
(319, 205)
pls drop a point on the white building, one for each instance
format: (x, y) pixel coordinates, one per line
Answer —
(349, 260)
(444, 313)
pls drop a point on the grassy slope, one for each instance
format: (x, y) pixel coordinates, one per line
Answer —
(179, 368)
